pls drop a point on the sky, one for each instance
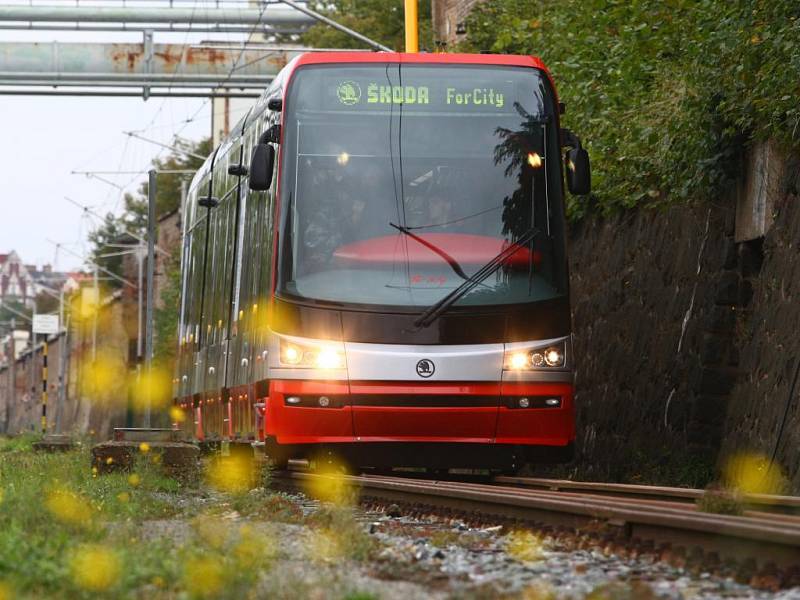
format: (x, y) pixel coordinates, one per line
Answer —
(45, 138)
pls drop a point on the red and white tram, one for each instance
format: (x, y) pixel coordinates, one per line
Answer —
(374, 262)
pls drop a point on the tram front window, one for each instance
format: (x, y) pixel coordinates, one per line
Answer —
(401, 182)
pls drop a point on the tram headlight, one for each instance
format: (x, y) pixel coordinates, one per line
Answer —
(329, 358)
(527, 359)
(314, 356)
(518, 360)
(554, 357)
(291, 354)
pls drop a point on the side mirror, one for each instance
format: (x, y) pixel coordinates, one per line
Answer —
(579, 173)
(261, 167)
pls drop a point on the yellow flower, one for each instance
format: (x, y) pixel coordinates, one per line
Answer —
(203, 577)
(231, 474)
(331, 486)
(134, 479)
(95, 567)
(212, 531)
(6, 593)
(68, 507)
(524, 546)
(754, 474)
(144, 447)
(251, 548)
(177, 415)
(153, 389)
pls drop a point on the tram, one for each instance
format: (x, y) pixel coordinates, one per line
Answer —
(374, 264)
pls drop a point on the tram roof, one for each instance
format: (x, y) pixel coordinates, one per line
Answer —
(316, 58)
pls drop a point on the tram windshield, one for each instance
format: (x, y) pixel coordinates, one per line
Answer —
(400, 182)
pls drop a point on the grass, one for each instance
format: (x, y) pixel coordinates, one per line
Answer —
(66, 532)
(20, 443)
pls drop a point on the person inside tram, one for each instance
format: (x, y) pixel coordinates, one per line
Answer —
(440, 212)
(340, 213)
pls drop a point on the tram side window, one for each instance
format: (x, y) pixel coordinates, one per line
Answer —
(186, 296)
(257, 203)
(229, 222)
(265, 251)
(206, 318)
(196, 292)
(245, 265)
(185, 278)
(217, 251)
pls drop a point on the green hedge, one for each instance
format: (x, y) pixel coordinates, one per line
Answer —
(665, 93)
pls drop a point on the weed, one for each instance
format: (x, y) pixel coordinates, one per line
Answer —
(721, 501)
(337, 535)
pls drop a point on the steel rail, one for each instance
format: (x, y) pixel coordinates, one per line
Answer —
(665, 506)
(732, 537)
(789, 504)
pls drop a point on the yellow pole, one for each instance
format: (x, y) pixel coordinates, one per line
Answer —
(412, 27)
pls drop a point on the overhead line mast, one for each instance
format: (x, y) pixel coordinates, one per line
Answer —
(412, 25)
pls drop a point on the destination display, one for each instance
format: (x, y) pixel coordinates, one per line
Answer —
(351, 93)
(420, 89)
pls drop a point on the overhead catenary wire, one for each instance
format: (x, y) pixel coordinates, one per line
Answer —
(167, 146)
(94, 264)
(87, 210)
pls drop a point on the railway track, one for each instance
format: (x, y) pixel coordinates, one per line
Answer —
(674, 527)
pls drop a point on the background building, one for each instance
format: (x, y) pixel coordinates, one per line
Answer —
(449, 18)
(16, 282)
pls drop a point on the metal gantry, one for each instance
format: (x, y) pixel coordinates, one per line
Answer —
(272, 17)
(158, 67)
(117, 69)
(110, 69)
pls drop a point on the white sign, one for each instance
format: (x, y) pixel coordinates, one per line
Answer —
(46, 324)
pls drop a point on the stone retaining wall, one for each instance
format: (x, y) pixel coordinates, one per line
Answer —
(686, 341)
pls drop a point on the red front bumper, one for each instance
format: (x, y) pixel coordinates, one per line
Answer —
(481, 418)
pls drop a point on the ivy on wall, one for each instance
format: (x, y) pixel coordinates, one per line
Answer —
(664, 93)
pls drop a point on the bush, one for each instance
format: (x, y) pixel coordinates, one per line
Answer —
(666, 95)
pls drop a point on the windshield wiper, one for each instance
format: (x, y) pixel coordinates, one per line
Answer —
(452, 262)
(435, 310)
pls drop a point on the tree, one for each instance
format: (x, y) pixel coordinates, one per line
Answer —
(134, 216)
(110, 232)
(168, 188)
(47, 303)
(11, 309)
(165, 321)
(380, 20)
